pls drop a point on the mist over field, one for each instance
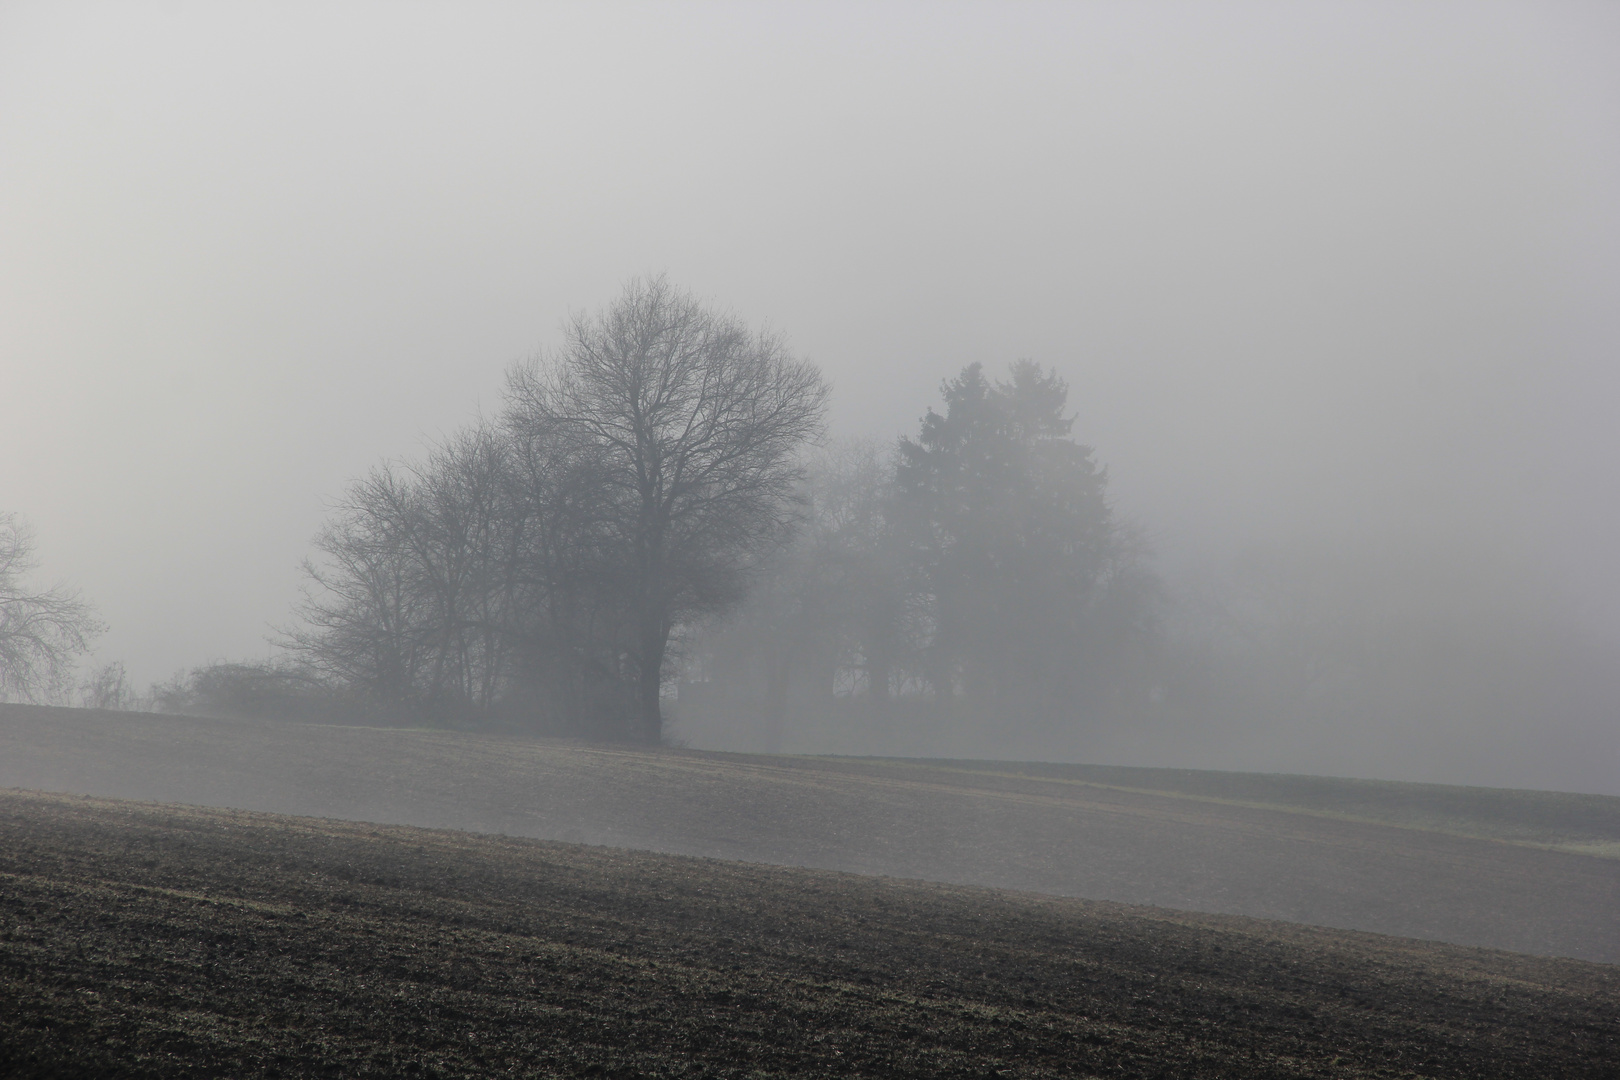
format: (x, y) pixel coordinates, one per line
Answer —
(1330, 289)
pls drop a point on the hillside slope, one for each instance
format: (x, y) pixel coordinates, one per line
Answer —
(144, 940)
(987, 825)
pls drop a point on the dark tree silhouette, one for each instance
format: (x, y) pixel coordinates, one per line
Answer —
(1028, 580)
(691, 422)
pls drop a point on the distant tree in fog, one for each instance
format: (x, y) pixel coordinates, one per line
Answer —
(690, 421)
(362, 622)
(976, 571)
(251, 691)
(855, 591)
(42, 633)
(107, 687)
(826, 608)
(411, 600)
(1032, 591)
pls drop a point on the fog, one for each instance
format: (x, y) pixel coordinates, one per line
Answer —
(1332, 288)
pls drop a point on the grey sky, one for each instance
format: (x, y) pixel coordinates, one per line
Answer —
(1309, 268)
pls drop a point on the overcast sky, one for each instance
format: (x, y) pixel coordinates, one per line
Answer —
(1309, 268)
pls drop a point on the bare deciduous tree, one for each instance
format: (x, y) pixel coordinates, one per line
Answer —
(413, 599)
(41, 633)
(363, 612)
(691, 420)
(107, 688)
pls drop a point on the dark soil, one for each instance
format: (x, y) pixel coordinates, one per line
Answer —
(151, 940)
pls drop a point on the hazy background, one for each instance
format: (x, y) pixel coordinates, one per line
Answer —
(1337, 276)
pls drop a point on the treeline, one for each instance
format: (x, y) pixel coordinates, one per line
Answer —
(650, 516)
(651, 525)
(240, 691)
(974, 573)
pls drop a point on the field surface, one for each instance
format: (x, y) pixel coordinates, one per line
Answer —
(147, 940)
(1524, 871)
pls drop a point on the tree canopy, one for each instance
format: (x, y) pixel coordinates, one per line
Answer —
(1007, 523)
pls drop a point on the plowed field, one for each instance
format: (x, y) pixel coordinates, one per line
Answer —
(146, 940)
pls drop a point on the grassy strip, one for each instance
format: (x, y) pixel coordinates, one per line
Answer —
(1564, 821)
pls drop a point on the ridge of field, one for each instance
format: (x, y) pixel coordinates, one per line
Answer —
(1578, 822)
(142, 940)
(1043, 830)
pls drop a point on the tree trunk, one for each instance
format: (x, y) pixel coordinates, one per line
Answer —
(776, 691)
(653, 642)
